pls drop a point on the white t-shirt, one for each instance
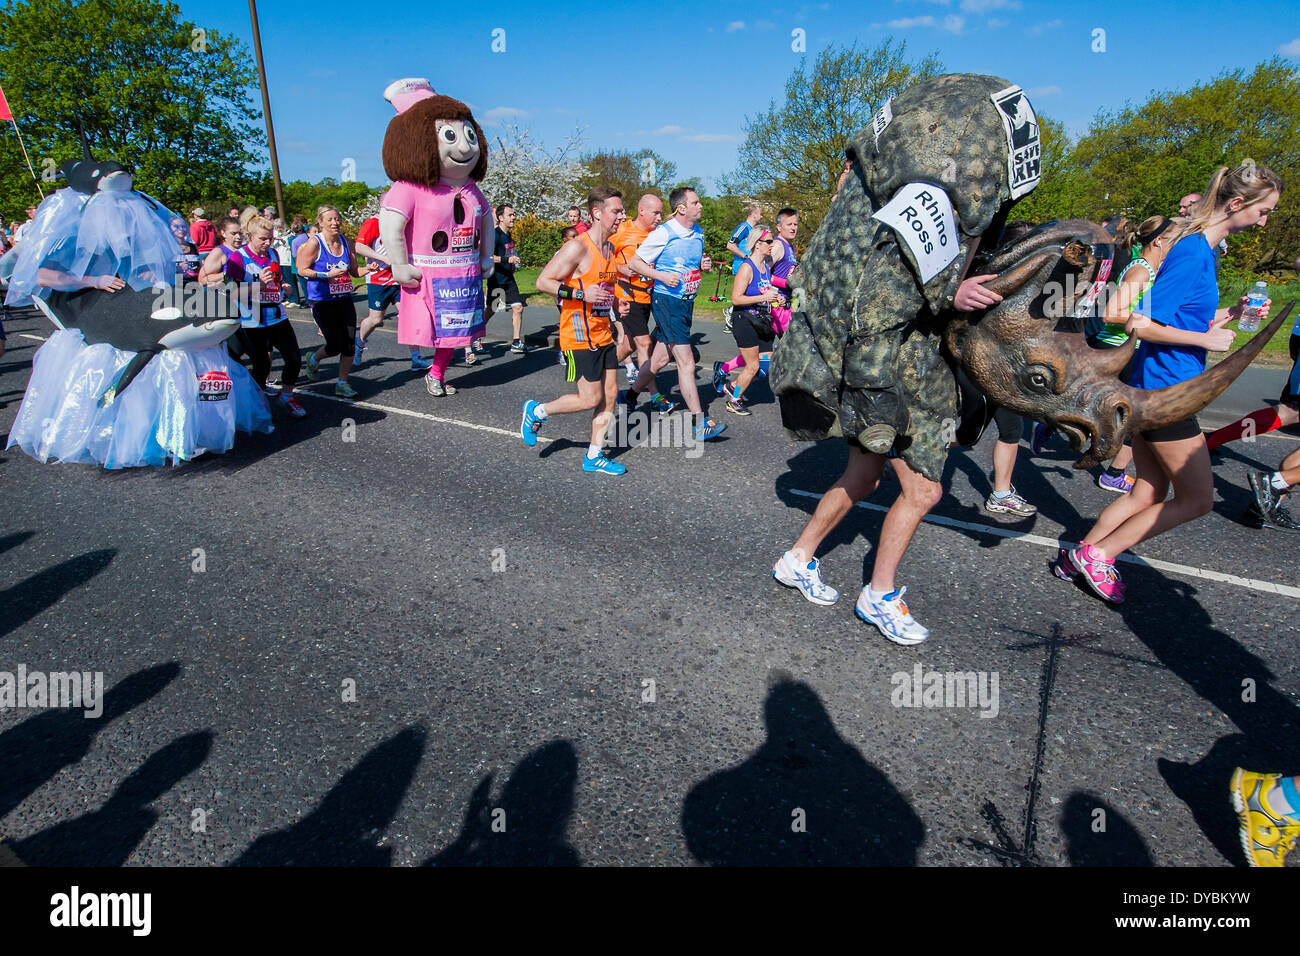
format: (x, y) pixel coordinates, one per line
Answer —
(21, 230)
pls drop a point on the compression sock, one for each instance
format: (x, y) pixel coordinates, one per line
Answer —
(737, 362)
(1260, 422)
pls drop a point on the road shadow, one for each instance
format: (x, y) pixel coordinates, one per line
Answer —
(1183, 636)
(527, 823)
(38, 748)
(107, 836)
(1096, 834)
(343, 829)
(11, 541)
(814, 469)
(28, 598)
(1030, 478)
(804, 773)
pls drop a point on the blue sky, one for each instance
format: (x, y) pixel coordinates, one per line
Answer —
(682, 79)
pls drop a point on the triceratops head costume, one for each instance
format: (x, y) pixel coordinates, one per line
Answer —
(865, 354)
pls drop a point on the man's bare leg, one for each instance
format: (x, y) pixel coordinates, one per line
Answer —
(920, 494)
(861, 478)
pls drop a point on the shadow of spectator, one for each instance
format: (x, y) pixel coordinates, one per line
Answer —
(39, 747)
(1096, 834)
(28, 598)
(343, 829)
(107, 836)
(748, 815)
(527, 824)
(11, 541)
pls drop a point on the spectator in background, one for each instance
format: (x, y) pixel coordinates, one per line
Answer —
(188, 262)
(233, 212)
(202, 233)
(301, 233)
(575, 219)
(738, 244)
(502, 288)
(280, 247)
(5, 243)
(1187, 204)
(568, 234)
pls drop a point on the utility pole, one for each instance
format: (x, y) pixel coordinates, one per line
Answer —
(266, 110)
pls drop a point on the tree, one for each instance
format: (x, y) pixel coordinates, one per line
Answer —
(793, 153)
(632, 174)
(534, 179)
(1059, 194)
(167, 99)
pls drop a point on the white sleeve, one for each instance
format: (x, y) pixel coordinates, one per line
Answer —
(654, 244)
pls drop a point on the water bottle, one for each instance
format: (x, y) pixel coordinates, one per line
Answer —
(1250, 314)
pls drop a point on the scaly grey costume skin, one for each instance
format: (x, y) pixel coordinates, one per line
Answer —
(864, 343)
(869, 345)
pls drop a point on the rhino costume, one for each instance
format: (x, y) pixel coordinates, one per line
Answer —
(870, 303)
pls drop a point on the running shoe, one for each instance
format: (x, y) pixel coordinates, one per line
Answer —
(790, 571)
(344, 390)
(436, 388)
(891, 617)
(708, 429)
(1279, 519)
(632, 372)
(519, 346)
(478, 347)
(1013, 504)
(662, 404)
(470, 358)
(1266, 835)
(1099, 575)
(1041, 434)
(719, 377)
(1120, 484)
(726, 319)
(270, 392)
(737, 407)
(600, 464)
(358, 347)
(420, 364)
(1266, 496)
(310, 367)
(627, 400)
(1064, 568)
(531, 424)
(291, 405)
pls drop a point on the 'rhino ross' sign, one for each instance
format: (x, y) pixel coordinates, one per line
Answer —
(921, 214)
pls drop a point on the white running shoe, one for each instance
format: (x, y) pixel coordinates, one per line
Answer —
(891, 617)
(791, 572)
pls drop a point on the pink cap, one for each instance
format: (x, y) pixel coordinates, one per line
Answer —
(404, 94)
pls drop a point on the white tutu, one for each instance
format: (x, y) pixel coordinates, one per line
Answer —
(157, 418)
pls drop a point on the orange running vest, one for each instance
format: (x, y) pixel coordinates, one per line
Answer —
(583, 326)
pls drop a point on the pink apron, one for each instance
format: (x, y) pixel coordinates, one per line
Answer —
(446, 311)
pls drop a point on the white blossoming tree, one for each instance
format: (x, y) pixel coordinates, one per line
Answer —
(534, 179)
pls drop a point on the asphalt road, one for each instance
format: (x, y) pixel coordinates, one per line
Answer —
(556, 667)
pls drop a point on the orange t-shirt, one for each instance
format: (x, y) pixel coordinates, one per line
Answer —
(582, 325)
(626, 240)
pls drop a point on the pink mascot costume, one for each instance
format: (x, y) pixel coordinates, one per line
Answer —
(435, 223)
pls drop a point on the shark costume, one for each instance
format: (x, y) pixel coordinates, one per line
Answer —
(161, 338)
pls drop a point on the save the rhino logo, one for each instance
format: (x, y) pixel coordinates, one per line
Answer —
(1024, 150)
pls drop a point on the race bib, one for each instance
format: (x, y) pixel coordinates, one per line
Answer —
(462, 238)
(883, 117)
(271, 294)
(690, 284)
(339, 286)
(1024, 151)
(214, 386)
(921, 215)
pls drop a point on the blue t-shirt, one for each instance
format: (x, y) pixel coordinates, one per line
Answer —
(674, 248)
(1186, 297)
(740, 239)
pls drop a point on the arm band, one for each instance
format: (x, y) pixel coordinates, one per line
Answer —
(778, 282)
(567, 291)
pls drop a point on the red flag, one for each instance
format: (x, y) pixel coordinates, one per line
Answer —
(5, 114)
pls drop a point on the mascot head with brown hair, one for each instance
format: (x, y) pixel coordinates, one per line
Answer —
(432, 137)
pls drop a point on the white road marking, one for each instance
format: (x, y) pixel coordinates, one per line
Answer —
(414, 414)
(1268, 587)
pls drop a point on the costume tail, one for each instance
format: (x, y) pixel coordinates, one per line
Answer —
(127, 375)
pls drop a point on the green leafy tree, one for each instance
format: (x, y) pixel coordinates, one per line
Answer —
(793, 153)
(632, 173)
(1059, 194)
(164, 97)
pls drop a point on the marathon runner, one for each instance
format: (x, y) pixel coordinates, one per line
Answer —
(582, 276)
(502, 287)
(632, 288)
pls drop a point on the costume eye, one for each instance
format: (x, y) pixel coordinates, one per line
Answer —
(448, 135)
(470, 137)
(1040, 378)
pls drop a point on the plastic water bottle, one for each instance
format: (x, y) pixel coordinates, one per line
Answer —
(1250, 314)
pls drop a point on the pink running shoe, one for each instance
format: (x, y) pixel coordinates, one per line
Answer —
(1098, 574)
(1064, 568)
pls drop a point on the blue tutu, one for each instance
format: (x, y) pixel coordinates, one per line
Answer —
(183, 404)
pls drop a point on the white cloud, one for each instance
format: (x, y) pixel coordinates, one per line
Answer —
(994, 23)
(1290, 49)
(669, 131)
(953, 23)
(708, 138)
(984, 6)
(499, 114)
(1040, 91)
(1040, 28)
(735, 25)
(682, 135)
(908, 22)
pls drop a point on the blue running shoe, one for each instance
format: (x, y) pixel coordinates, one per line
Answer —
(531, 424)
(627, 400)
(719, 377)
(708, 429)
(662, 404)
(602, 465)
(420, 364)
(357, 348)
